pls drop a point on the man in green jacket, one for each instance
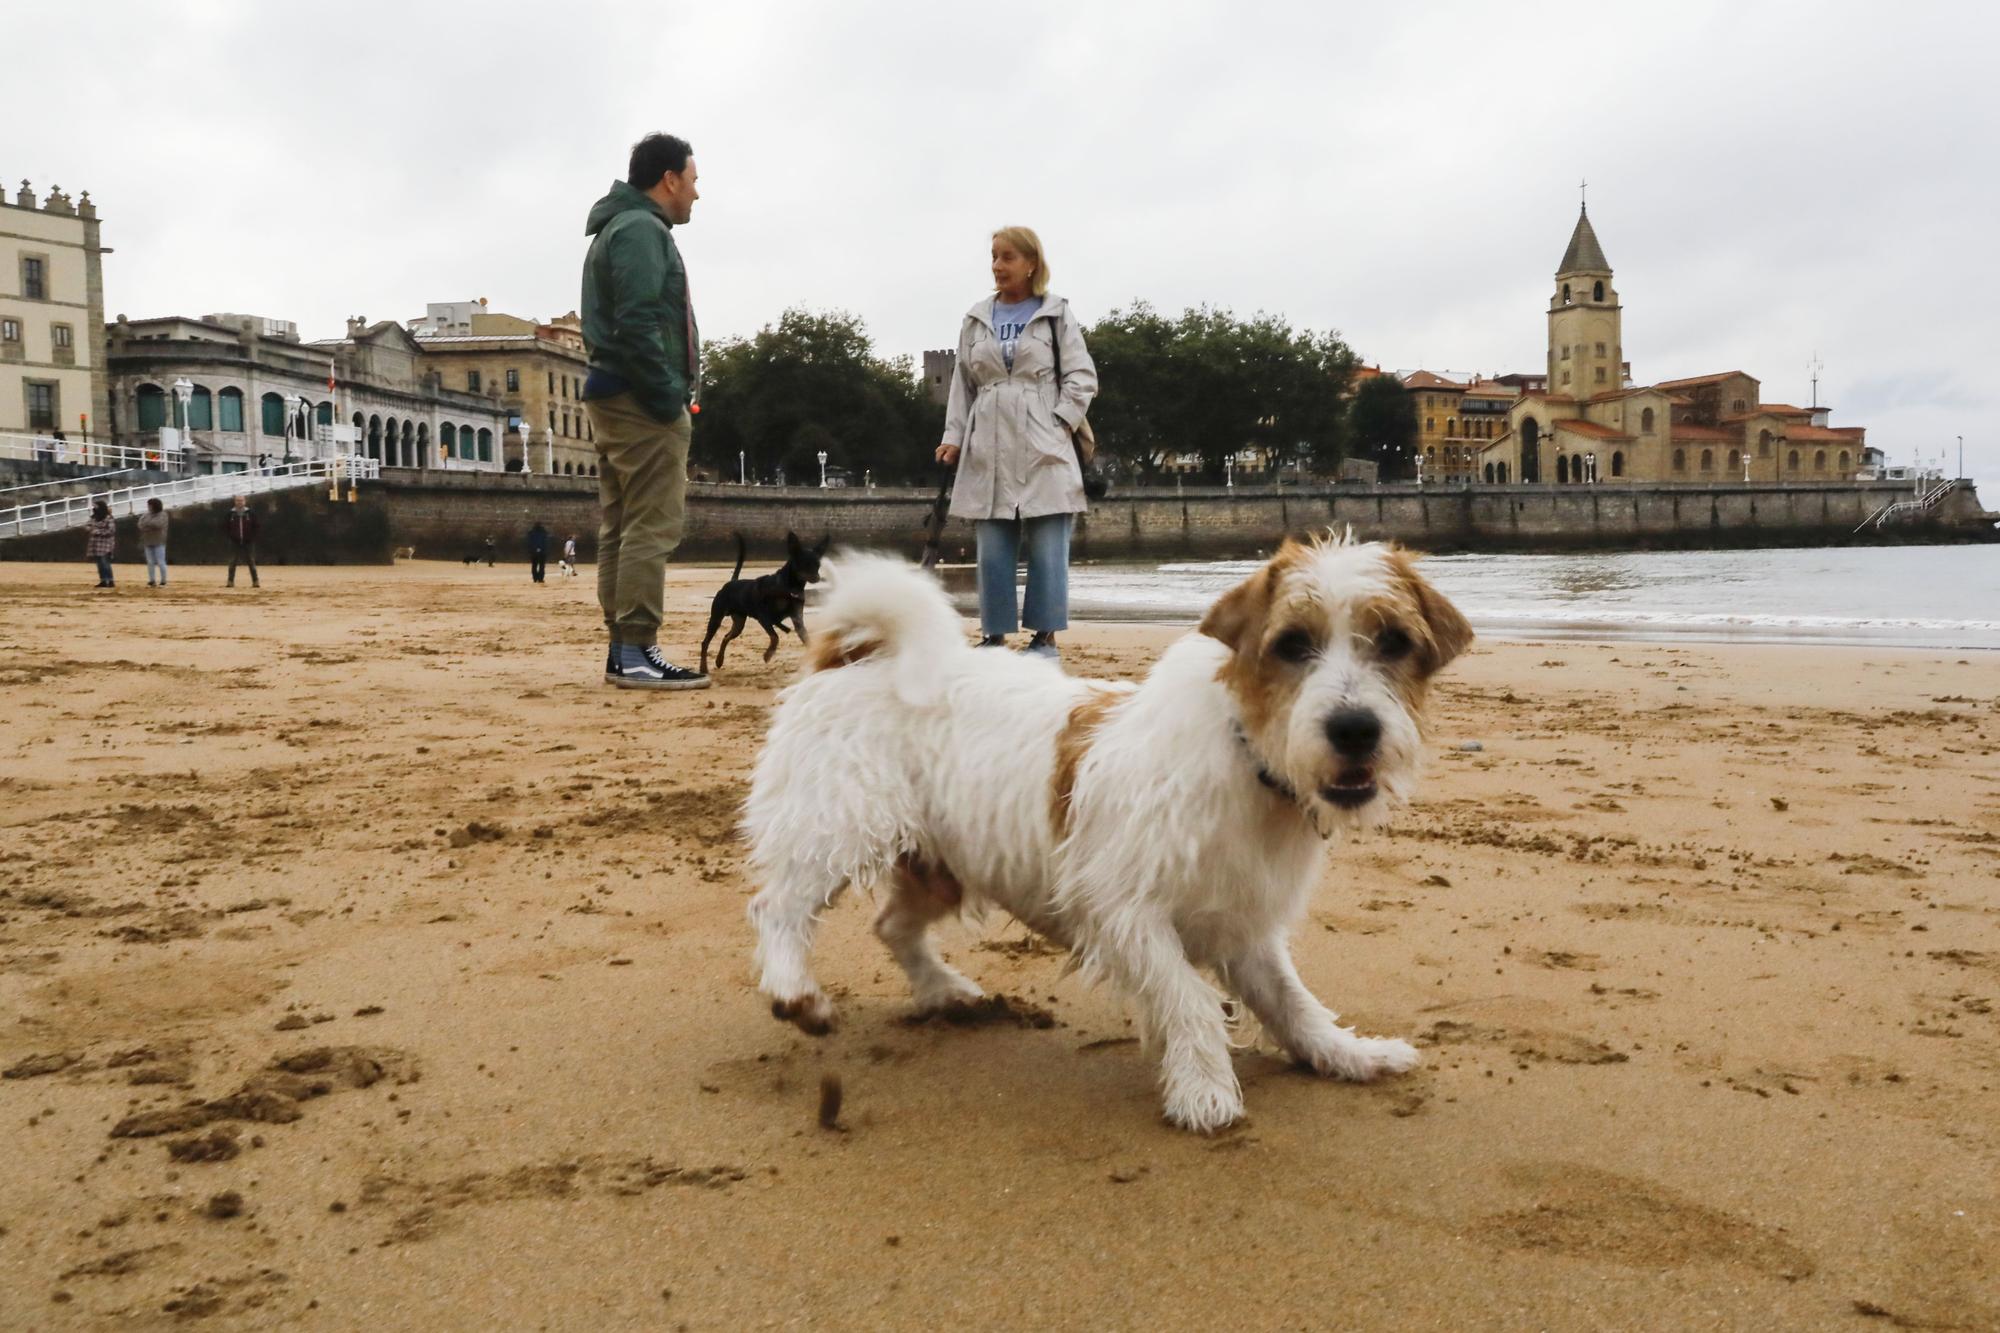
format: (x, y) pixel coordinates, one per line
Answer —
(645, 372)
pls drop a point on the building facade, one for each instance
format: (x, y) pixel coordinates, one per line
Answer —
(1588, 421)
(52, 340)
(1456, 420)
(537, 371)
(243, 388)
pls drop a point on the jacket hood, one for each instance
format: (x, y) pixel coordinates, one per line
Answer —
(621, 199)
(982, 309)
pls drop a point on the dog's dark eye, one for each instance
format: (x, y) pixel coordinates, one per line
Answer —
(1392, 645)
(1294, 645)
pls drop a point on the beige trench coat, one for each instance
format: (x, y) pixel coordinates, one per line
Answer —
(1013, 427)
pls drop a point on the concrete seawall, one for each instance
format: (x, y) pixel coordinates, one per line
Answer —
(449, 515)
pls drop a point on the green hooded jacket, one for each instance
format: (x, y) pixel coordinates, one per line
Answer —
(637, 320)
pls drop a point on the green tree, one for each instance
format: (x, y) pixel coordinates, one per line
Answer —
(812, 382)
(1383, 423)
(1208, 384)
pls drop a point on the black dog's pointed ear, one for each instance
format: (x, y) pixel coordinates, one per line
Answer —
(825, 541)
(792, 542)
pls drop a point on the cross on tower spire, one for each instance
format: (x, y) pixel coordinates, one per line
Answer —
(1583, 197)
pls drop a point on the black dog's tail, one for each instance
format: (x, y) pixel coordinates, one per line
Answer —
(739, 559)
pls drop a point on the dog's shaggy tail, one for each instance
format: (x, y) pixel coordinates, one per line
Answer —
(879, 607)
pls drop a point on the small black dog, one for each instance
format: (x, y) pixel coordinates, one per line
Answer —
(770, 599)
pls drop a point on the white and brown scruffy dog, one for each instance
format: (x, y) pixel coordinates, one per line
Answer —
(1154, 830)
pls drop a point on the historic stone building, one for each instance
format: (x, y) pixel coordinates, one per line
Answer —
(52, 375)
(1590, 422)
(242, 387)
(536, 369)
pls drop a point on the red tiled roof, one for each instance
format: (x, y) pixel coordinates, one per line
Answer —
(1687, 430)
(1702, 379)
(1424, 379)
(1820, 433)
(1590, 429)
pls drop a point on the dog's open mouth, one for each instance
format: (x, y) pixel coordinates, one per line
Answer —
(1351, 787)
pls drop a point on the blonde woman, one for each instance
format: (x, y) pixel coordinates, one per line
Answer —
(1008, 432)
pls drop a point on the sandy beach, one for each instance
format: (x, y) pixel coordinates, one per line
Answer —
(365, 961)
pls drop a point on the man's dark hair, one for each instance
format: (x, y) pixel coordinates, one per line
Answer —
(653, 157)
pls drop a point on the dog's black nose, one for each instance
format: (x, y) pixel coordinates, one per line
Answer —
(1354, 732)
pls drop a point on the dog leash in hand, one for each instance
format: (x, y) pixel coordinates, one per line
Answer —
(934, 543)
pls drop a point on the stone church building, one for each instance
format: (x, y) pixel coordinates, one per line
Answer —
(1592, 424)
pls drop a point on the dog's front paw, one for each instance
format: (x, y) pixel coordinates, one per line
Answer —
(1364, 1059)
(1203, 1105)
(946, 989)
(813, 1013)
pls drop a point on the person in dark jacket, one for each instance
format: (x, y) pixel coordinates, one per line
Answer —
(638, 323)
(101, 539)
(538, 552)
(240, 526)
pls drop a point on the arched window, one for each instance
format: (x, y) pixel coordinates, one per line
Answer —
(1708, 460)
(1680, 460)
(201, 410)
(569, 469)
(448, 440)
(1763, 444)
(389, 438)
(409, 443)
(274, 414)
(375, 437)
(1430, 425)
(1843, 460)
(593, 469)
(229, 411)
(1431, 454)
(485, 445)
(1735, 461)
(324, 414)
(423, 442)
(1792, 461)
(1646, 421)
(1819, 460)
(1562, 469)
(152, 407)
(1489, 474)
(1501, 472)
(1531, 451)
(1451, 425)
(1597, 290)
(1618, 463)
(1565, 293)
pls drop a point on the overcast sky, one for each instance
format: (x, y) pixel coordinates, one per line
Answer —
(1768, 180)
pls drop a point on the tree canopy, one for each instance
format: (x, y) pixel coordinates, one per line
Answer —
(810, 382)
(1384, 421)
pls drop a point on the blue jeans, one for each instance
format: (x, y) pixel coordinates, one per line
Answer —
(1000, 541)
(156, 562)
(103, 568)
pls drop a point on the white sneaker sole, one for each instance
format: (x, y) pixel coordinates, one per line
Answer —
(641, 683)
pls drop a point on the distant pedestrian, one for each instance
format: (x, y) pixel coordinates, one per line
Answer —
(492, 552)
(538, 553)
(102, 540)
(568, 569)
(645, 371)
(240, 526)
(153, 536)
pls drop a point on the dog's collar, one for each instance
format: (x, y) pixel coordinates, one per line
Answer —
(1264, 775)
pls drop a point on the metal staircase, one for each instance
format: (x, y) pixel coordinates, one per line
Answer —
(72, 511)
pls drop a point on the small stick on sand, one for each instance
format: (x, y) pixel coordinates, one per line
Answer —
(829, 1101)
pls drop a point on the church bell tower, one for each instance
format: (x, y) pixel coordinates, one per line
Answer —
(1586, 338)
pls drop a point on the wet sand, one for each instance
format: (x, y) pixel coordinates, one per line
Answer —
(365, 961)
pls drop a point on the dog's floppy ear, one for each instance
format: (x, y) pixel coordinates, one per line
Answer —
(1238, 615)
(1449, 631)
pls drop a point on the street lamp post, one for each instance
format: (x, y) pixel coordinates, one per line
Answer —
(184, 396)
(294, 404)
(1746, 467)
(1961, 457)
(822, 468)
(1229, 470)
(742, 467)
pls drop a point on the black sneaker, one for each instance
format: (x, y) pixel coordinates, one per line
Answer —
(992, 641)
(647, 669)
(611, 664)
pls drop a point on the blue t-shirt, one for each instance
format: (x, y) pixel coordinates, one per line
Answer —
(1010, 320)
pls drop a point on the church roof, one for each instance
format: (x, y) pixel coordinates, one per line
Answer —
(1593, 430)
(1691, 380)
(1584, 255)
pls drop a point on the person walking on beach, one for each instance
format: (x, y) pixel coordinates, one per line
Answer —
(538, 553)
(638, 323)
(100, 541)
(153, 537)
(1008, 430)
(492, 552)
(240, 526)
(568, 566)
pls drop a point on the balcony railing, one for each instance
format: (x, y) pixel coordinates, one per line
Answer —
(84, 453)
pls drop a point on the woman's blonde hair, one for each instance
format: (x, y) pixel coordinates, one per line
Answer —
(1024, 240)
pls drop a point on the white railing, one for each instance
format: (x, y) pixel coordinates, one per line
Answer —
(1924, 500)
(48, 449)
(74, 510)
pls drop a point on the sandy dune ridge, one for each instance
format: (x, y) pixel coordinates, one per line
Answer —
(365, 960)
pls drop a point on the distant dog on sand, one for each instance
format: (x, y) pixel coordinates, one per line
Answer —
(769, 599)
(1155, 831)
(406, 553)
